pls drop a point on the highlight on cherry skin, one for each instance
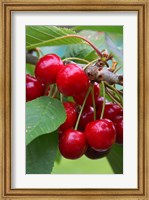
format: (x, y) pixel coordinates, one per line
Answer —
(72, 80)
(48, 67)
(72, 144)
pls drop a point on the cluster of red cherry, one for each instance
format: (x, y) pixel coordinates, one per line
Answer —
(91, 137)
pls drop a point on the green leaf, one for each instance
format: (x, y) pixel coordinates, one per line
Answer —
(43, 115)
(113, 42)
(80, 51)
(86, 51)
(112, 29)
(114, 49)
(37, 36)
(115, 158)
(41, 153)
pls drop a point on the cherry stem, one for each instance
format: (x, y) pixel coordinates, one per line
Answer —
(89, 42)
(89, 63)
(46, 89)
(51, 90)
(38, 51)
(121, 92)
(61, 97)
(116, 70)
(75, 58)
(54, 92)
(93, 100)
(114, 90)
(82, 107)
(112, 94)
(113, 98)
(104, 95)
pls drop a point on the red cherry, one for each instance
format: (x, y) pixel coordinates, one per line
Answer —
(121, 112)
(118, 123)
(101, 134)
(71, 115)
(92, 154)
(99, 102)
(34, 88)
(89, 102)
(86, 117)
(110, 111)
(48, 67)
(72, 144)
(72, 80)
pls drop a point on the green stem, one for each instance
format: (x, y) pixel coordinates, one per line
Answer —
(104, 95)
(90, 63)
(93, 100)
(51, 90)
(61, 97)
(121, 92)
(112, 94)
(39, 52)
(55, 91)
(74, 58)
(89, 42)
(46, 89)
(113, 98)
(82, 107)
(116, 70)
(115, 90)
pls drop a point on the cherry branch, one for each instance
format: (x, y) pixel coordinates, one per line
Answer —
(99, 74)
(89, 42)
(30, 59)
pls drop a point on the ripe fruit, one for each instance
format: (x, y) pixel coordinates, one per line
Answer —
(89, 102)
(121, 113)
(72, 80)
(99, 102)
(34, 88)
(72, 144)
(92, 154)
(118, 123)
(71, 115)
(110, 111)
(86, 117)
(101, 134)
(48, 67)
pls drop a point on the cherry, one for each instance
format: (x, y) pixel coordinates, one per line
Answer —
(118, 123)
(110, 111)
(72, 144)
(72, 80)
(47, 68)
(99, 102)
(121, 112)
(89, 102)
(92, 154)
(34, 88)
(71, 115)
(86, 117)
(101, 134)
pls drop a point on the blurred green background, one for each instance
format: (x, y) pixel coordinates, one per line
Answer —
(111, 164)
(82, 166)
